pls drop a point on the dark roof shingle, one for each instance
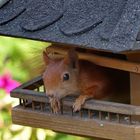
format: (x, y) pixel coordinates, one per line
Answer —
(110, 25)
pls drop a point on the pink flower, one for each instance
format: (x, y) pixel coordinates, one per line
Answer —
(7, 83)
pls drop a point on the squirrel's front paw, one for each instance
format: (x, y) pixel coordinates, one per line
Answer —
(76, 106)
(79, 102)
(55, 105)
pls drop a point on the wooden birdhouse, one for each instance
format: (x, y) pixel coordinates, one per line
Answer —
(104, 32)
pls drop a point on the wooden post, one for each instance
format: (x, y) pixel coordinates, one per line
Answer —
(134, 83)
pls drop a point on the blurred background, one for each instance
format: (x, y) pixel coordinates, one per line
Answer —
(16, 58)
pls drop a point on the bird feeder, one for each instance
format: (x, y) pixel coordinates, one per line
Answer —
(104, 32)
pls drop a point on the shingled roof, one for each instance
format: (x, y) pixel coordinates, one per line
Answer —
(111, 25)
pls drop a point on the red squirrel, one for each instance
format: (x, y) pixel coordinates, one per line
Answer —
(71, 76)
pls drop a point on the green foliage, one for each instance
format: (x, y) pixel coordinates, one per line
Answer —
(14, 56)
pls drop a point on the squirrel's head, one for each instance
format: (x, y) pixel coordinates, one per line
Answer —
(61, 75)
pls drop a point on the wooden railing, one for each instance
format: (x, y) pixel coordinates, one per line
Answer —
(34, 97)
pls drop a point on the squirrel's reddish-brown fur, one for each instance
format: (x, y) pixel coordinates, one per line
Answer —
(71, 76)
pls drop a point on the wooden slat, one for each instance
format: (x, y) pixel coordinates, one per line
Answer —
(29, 95)
(108, 107)
(135, 83)
(102, 61)
(91, 104)
(137, 133)
(73, 125)
(32, 84)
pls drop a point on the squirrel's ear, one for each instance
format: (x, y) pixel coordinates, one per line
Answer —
(46, 58)
(72, 58)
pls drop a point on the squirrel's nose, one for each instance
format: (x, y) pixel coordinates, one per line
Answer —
(51, 93)
(51, 96)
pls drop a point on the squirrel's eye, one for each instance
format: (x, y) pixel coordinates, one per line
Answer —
(65, 77)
